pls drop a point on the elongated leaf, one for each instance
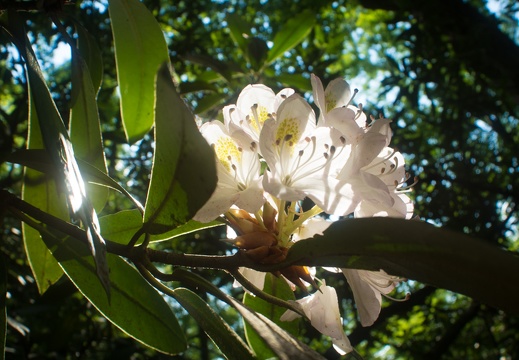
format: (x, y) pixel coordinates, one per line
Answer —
(135, 307)
(419, 251)
(278, 287)
(120, 227)
(39, 189)
(85, 129)
(140, 49)
(292, 33)
(90, 52)
(38, 159)
(57, 143)
(183, 176)
(284, 345)
(229, 343)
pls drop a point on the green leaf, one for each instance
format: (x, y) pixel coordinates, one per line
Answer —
(85, 129)
(87, 46)
(140, 49)
(258, 50)
(295, 80)
(208, 102)
(38, 159)
(284, 345)
(135, 306)
(121, 226)
(3, 314)
(40, 190)
(57, 143)
(224, 337)
(278, 287)
(419, 251)
(183, 176)
(292, 33)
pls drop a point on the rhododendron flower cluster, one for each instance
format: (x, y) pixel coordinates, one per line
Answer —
(272, 152)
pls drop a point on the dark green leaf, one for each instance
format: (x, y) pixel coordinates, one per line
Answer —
(140, 49)
(135, 306)
(258, 50)
(297, 81)
(292, 33)
(184, 170)
(209, 102)
(195, 86)
(121, 226)
(419, 251)
(240, 31)
(278, 287)
(229, 343)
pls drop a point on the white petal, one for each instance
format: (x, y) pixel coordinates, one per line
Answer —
(220, 202)
(337, 94)
(310, 228)
(368, 300)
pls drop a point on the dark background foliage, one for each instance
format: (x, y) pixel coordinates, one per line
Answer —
(446, 72)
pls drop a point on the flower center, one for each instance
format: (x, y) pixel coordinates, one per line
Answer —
(257, 117)
(227, 152)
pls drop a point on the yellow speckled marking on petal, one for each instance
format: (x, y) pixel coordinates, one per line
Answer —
(227, 150)
(330, 101)
(262, 114)
(289, 126)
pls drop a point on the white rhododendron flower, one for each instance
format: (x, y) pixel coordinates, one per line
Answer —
(238, 170)
(272, 154)
(256, 103)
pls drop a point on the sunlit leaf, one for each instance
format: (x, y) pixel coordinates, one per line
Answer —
(121, 226)
(38, 159)
(39, 189)
(58, 145)
(419, 251)
(224, 337)
(135, 306)
(183, 176)
(278, 287)
(140, 49)
(85, 129)
(89, 50)
(291, 34)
